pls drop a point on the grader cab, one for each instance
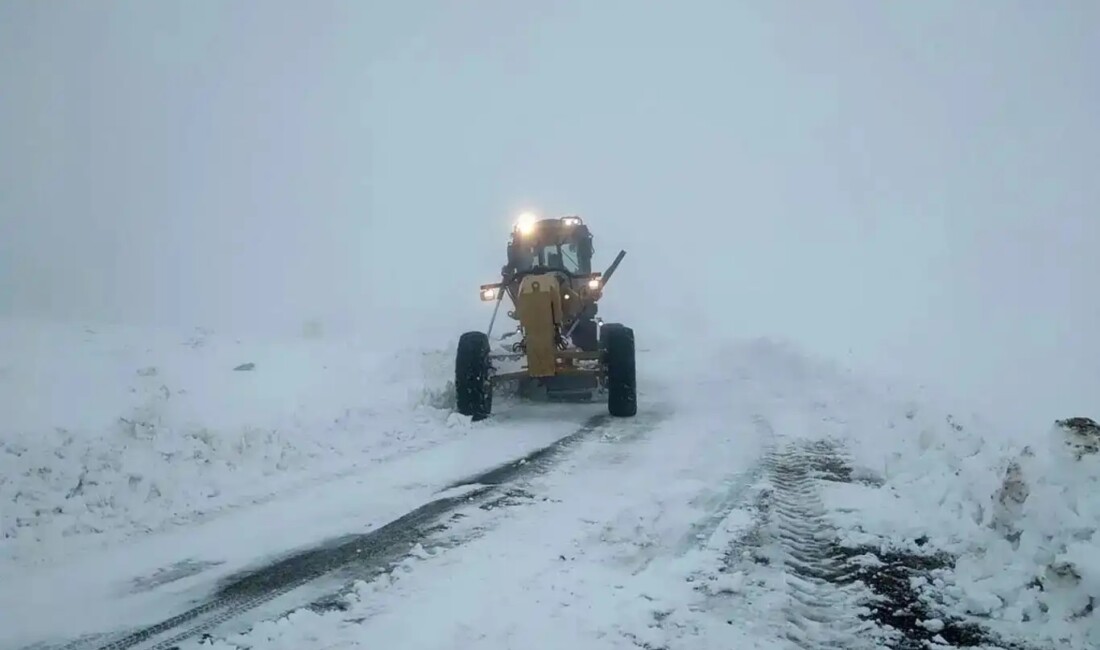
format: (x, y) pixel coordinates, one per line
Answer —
(562, 350)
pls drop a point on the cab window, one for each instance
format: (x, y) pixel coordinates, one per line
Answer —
(565, 256)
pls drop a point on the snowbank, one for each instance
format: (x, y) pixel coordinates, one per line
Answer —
(1038, 563)
(111, 430)
(1019, 515)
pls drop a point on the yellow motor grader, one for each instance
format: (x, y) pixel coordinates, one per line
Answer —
(563, 350)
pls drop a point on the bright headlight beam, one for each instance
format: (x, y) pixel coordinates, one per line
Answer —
(593, 284)
(525, 224)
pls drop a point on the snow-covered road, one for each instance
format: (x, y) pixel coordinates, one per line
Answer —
(762, 500)
(582, 540)
(135, 582)
(595, 553)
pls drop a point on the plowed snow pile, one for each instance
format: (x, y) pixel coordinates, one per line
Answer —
(110, 431)
(1007, 521)
(1008, 524)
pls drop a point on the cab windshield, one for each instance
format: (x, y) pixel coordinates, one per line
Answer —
(560, 256)
(565, 256)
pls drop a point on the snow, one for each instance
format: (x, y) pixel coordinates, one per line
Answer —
(138, 468)
(110, 431)
(619, 548)
(1017, 512)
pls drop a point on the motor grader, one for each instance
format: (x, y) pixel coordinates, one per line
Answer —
(559, 348)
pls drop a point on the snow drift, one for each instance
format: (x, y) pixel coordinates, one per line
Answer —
(109, 431)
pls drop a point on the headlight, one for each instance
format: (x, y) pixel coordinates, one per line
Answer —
(525, 224)
(489, 294)
(593, 284)
(571, 221)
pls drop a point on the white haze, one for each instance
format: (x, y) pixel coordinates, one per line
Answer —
(910, 188)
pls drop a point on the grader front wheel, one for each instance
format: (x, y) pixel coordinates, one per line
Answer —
(473, 385)
(617, 342)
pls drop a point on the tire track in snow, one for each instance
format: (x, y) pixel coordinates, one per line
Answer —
(830, 595)
(251, 591)
(496, 489)
(366, 552)
(459, 528)
(821, 613)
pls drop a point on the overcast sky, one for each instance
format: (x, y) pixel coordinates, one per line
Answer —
(908, 187)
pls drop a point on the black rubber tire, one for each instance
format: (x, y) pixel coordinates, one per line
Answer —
(622, 385)
(603, 329)
(473, 384)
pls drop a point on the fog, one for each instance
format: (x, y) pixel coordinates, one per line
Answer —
(906, 188)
